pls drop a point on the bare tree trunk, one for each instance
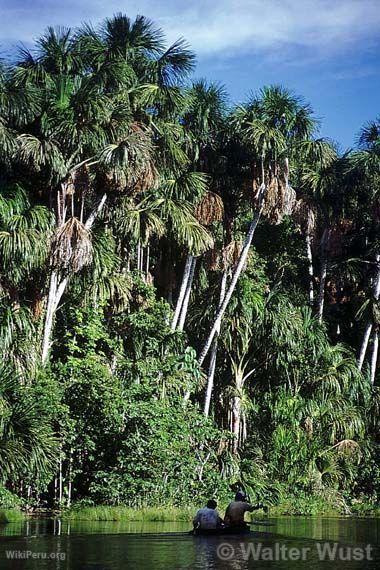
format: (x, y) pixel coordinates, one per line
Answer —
(375, 351)
(147, 261)
(310, 269)
(235, 276)
(29, 494)
(55, 489)
(55, 295)
(363, 348)
(376, 288)
(369, 327)
(323, 274)
(95, 213)
(182, 291)
(60, 479)
(49, 315)
(138, 250)
(141, 258)
(69, 486)
(186, 298)
(57, 287)
(286, 171)
(212, 365)
(322, 284)
(235, 422)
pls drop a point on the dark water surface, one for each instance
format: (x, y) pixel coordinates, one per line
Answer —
(300, 543)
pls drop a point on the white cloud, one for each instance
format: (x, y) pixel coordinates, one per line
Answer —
(272, 24)
(213, 27)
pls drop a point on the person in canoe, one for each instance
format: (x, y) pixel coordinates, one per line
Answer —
(208, 518)
(236, 510)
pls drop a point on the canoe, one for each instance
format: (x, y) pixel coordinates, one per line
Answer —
(221, 531)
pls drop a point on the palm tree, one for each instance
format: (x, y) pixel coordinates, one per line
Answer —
(316, 210)
(76, 128)
(238, 346)
(269, 126)
(27, 442)
(155, 94)
(305, 215)
(175, 198)
(25, 231)
(202, 120)
(90, 133)
(214, 350)
(324, 181)
(366, 161)
(208, 211)
(7, 138)
(214, 207)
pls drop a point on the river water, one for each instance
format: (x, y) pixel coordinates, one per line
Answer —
(291, 543)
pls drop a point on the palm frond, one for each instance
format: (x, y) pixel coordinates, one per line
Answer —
(71, 246)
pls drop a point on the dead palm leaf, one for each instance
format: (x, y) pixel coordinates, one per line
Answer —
(72, 247)
(305, 216)
(210, 209)
(279, 200)
(231, 253)
(212, 259)
(347, 447)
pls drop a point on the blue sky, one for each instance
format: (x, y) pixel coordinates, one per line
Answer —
(325, 50)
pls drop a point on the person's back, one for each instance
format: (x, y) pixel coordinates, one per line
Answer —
(208, 517)
(236, 510)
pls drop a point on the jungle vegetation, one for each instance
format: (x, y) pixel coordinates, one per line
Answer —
(189, 289)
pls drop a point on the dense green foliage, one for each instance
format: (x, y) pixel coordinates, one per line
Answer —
(131, 200)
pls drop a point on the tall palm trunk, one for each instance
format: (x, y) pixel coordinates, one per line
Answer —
(182, 291)
(309, 254)
(375, 351)
(364, 345)
(57, 287)
(138, 255)
(369, 327)
(235, 276)
(60, 496)
(52, 296)
(69, 477)
(323, 274)
(212, 365)
(95, 212)
(322, 284)
(185, 304)
(236, 422)
(141, 259)
(286, 171)
(147, 260)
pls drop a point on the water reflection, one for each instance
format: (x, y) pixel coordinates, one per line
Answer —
(117, 545)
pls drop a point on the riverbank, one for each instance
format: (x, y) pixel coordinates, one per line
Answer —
(175, 514)
(292, 506)
(129, 514)
(332, 506)
(11, 516)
